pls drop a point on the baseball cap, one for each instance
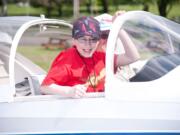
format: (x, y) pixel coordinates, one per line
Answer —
(86, 26)
(105, 21)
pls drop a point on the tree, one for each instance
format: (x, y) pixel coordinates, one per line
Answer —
(89, 6)
(49, 5)
(164, 6)
(76, 8)
(3, 8)
(59, 4)
(105, 6)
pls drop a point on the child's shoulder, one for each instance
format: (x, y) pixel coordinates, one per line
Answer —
(64, 55)
(67, 52)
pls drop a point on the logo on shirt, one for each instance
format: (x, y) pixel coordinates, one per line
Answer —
(93, 80)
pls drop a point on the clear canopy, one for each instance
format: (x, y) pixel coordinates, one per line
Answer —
(157, 40)
(10, 25)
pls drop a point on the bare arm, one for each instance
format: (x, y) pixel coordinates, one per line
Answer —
(76, 91)
(131, 53)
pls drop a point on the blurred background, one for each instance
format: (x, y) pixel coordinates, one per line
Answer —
(42, 52)
(71, 9)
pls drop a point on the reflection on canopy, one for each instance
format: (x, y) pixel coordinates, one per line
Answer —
(157, 40)
(10, 25)
(153, 34)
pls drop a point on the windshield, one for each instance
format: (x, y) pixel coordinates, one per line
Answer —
(157, 40)
(41, 43)
(37, 47)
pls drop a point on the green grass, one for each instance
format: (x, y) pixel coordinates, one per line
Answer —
(174, 12)
(43, 57)
(39, 55)
(16, 10)
(68, 14)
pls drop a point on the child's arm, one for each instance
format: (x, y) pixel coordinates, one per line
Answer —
(76, 91)
(131, 53)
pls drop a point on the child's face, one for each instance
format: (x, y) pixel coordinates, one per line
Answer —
(86, 45)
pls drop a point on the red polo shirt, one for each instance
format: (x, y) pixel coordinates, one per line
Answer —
(69, 69)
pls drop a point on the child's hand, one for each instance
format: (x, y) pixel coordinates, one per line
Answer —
(118, 13)
(77, 91)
